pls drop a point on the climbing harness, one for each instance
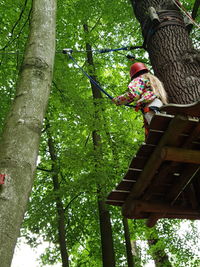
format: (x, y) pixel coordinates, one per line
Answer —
(144, 109)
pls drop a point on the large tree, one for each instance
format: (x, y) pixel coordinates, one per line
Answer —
(21, 134)
(71, 115)
(172, 55)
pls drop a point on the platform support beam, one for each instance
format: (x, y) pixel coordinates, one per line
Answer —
(170, 138)
(180, 155)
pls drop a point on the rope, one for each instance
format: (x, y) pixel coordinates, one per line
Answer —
(101, 51)
(105, 50)
(180, 6)
(91, 79)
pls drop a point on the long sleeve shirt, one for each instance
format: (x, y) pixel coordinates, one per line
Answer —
(139, 92)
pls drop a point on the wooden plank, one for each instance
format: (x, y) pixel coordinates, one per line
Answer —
(138, 162)
(125, 185)
(189, 110)
(133, 174)
(154, 137)
(160, 121)
(118, 195)
(170, 137)
(145, 150)
(180, 155)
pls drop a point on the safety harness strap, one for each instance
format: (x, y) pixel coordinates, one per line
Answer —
(146, 109)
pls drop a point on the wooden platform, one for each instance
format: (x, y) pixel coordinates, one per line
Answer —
(163, 179)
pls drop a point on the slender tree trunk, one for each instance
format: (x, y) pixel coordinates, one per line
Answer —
(159, 255)
(59, 204)
(157, 249)
(137, 255)
(172, 55)
(130, 259)
(106, 235)
(21, 134)
(108, 254)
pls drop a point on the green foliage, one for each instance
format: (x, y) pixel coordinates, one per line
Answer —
(14, 27)
(72, 116)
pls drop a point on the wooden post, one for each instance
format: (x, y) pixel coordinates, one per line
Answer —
(180, 155)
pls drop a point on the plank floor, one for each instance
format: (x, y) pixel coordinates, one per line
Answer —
(157, 187)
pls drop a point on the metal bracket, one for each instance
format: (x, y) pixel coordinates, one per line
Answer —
(153, 16)
(67, 51)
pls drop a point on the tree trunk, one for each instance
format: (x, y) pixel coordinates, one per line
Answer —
(159, 255)
(21, 134)
(172, 55)
(108, 254)
(128, 243)
(59, 204)
(106, 235)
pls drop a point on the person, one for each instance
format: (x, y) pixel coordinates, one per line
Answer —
(145, 90)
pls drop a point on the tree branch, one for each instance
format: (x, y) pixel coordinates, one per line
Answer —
(19, 33)
(70, 202)
(20, 16)
(195, 9)
(42, 169)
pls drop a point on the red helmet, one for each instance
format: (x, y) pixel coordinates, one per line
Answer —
(136, 68)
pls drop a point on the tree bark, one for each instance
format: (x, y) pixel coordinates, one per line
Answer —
(130, 259)
(58, 200)
(106, 235)
(159, 255)
(173, 58)
(108, 254)
(22, 130)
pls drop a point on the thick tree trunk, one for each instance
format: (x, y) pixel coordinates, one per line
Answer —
(21, 134)
(130, 259)
(172, 55)
(59, 204)
(108, 255)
